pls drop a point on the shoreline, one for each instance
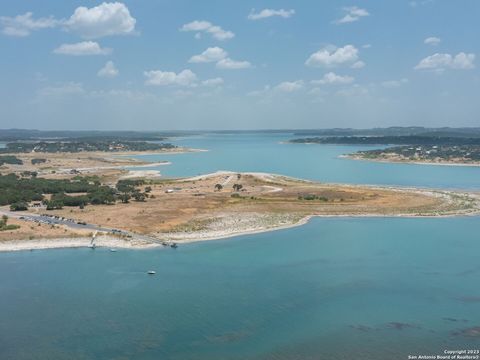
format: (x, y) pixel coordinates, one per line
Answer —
(106, 241)
(103, 241)
(429, 163)
(229, 224)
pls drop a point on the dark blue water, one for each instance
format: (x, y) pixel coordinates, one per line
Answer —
(369, 288)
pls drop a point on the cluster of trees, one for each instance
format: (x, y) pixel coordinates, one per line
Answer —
(83, 145)
(428, 152)
(5, 226)
(236, 187)
(10, 159)
(18, 192)
(312, 197)
(38, 161)
(128, 189)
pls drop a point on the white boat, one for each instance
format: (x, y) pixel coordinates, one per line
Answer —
(151, 272)
(113, 250)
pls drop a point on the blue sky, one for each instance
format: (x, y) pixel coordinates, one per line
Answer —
(152, 64)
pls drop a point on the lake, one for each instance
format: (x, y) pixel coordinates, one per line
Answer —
(336, 288)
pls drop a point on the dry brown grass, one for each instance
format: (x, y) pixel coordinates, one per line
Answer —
(31, 230)
(194, 202)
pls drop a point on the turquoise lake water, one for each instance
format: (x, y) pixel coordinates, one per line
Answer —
(266, 153)
(345, 288)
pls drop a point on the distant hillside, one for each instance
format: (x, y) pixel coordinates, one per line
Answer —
(390, 140)
(25, 134)
(395, 131)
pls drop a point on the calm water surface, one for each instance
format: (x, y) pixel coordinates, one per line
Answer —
(333, 289)
(267, 153)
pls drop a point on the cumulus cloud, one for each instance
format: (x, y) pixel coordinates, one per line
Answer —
(108, 71)
(103, 20)
(200, 26)
(266, 13)
(353, 91)
(82, 48)
(70, 88)
(331, 78)
(220, 56)
(432, 41)
(358, 65)
(415, 4)
(290, 86)
(213, 82)
(162, 78)
(231, 64)
(394, 83)
(23, 25)
(332, 56)
(212, 54)
(440, 62)
(352, 14)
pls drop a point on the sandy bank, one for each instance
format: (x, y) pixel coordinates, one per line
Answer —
(73, 242)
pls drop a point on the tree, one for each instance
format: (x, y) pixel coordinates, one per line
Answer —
(218, 187)
(138, 196)
(54, 205)
(19, 206)
(237, 187)
(148, 189)
(124, 198)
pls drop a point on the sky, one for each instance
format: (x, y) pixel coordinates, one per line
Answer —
(238, 64)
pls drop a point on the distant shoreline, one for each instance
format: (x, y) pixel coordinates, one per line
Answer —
(416, 162)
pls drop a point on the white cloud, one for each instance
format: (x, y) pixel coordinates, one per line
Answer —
(220, 56)
(394, 83)
(333, 79)
(414, 4)
(213, 82)
(23, 25)
(162, 78)
(108, 71)
(331, 56)
(290, 86)
(212, 54)
(70, 88)
(353, 91)
(432, 41)
(205, 26)
(352, 14)
(266, 89)
(266, 13)
(82, 48)
(230, 64)
(439, 62)
(358, 65)
(103, 20)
